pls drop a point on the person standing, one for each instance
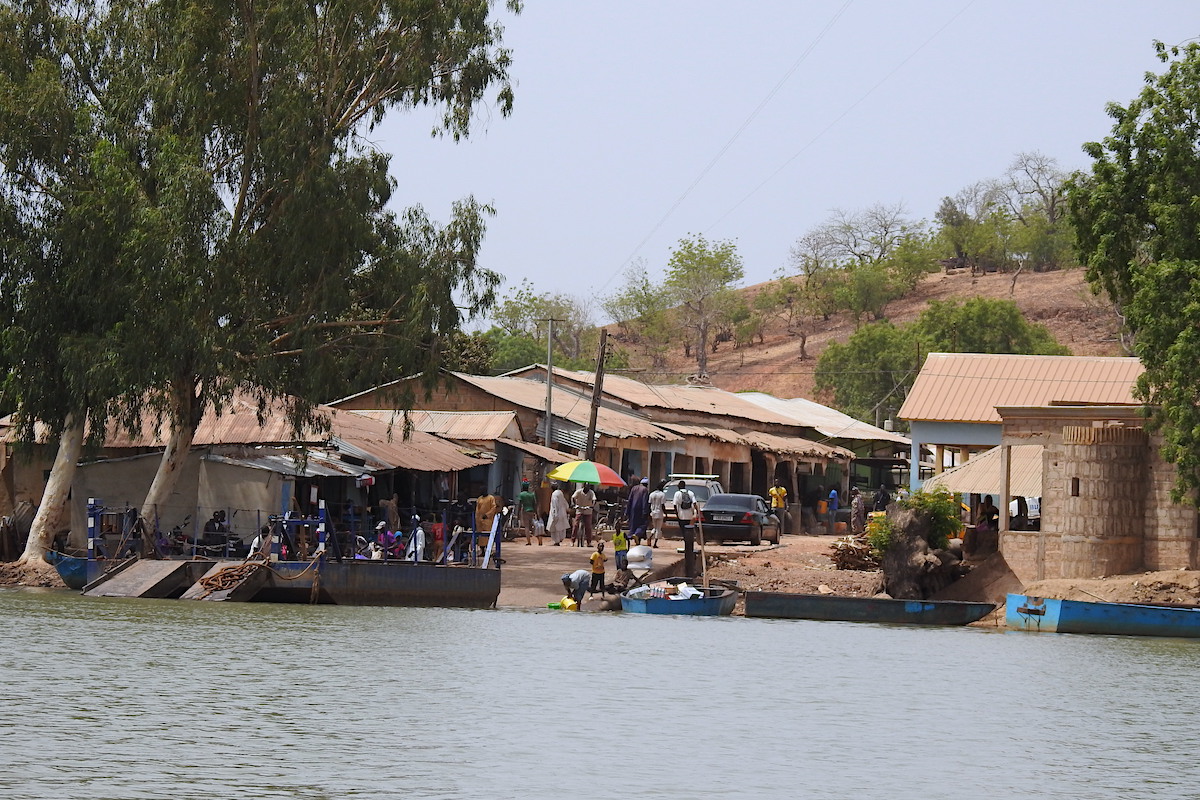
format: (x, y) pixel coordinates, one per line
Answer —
(778, 494)
(883, 498)
(558, 522)
(584, 501)
(637, 511)
(598, 559)
(685, 513)
(858, 512)
(658, 513)
(831, 510)
(620, 548)
(527, 502)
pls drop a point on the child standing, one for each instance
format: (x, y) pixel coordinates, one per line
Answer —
(620, 549)
(598, 559)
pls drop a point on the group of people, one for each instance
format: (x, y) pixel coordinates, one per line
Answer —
(644, 514)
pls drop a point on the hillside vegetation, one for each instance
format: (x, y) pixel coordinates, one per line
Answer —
(1061, 300)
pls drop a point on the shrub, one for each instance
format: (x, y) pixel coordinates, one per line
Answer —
(941, 507)
(879, 534)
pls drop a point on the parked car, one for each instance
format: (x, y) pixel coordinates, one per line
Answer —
(739, 517)
(701, 487)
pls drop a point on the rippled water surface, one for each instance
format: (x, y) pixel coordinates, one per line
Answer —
(171, 699)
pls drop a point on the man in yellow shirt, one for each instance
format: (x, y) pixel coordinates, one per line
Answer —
(778, 495)
(598, 559)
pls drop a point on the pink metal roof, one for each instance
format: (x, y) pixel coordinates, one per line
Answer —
(967, 387)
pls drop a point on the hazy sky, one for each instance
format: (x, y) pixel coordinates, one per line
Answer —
(639, 122)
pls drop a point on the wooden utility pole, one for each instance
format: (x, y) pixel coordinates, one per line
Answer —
(597, 389)
(549, 429)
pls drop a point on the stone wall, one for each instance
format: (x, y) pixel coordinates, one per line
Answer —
(1102, 485)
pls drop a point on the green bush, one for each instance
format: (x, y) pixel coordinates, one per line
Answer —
(941, 506)
(879, 535)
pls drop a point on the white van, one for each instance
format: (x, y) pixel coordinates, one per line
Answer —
(702, 487)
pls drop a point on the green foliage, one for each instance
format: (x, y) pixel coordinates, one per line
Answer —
(641, 315)
(940, 507)
(879, 535)
(1136, 218)
(980, 325)
(526, 313)
(700, 277)
(875, 368)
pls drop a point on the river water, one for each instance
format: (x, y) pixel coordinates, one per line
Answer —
(169, 699)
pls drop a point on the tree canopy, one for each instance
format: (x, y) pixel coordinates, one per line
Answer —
(1137, 219)
(872, 372)
(204, 172)
(700, 277)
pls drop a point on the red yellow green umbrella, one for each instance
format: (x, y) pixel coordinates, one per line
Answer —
(586, 472)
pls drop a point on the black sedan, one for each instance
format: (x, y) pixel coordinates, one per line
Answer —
(739, 517)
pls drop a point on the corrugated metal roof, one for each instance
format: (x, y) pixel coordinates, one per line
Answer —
(461, 425)
(542, 452)
(315, 465)
(823, 419)
(982, 475)
(568, 405)
(795, 445)
(967, 387)
(675, 397)
(719, 434)
(420, 451)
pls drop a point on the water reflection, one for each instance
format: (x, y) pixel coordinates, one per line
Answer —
(141, 698)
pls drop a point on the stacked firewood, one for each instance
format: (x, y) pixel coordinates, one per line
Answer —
(853, 552)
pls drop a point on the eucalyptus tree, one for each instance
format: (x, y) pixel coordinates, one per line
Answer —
(261, 254)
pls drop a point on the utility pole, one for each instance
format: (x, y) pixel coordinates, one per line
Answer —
(549, 380)
(597, 389)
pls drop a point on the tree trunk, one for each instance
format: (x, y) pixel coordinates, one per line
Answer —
(702, 348)
(49, 513)
(185, 417)
(169, 468)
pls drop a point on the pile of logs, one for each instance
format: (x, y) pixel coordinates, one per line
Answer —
(853, 552)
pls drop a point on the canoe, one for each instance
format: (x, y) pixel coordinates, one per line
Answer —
(715, 601)
(786, 605)
(72, 569)
(1026, 613)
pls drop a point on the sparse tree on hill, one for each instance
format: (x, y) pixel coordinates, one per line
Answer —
(700, 277)
(641, 315)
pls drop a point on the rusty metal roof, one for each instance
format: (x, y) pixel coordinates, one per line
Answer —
(460, 425)
(967, 387)
(795, 445)
(823, 419)
(387, 444)
(673, 397)
(568, 405)
(541, 451)
(981, 473)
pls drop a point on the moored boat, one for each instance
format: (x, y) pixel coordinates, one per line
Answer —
(678, 596)
(1048, 615)
(72, 569)
(786, 605)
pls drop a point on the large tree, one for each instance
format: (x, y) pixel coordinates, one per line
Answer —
(1137, 221)
(700, 277)
(261, 254)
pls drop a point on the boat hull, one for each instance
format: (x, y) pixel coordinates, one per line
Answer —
(72, 569)
(714, 603)
(1047, 615)
(382, 583)
(787, 605)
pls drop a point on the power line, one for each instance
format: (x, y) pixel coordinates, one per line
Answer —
(840, 117)
(741, 129)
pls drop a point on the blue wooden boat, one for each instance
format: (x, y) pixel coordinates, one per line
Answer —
(714, 601)
(72, 569)
(786, 605)
(1026, 613)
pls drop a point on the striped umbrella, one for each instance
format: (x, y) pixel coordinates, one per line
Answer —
(586, 472)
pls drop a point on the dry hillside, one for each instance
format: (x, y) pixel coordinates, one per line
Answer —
(1059, 300)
